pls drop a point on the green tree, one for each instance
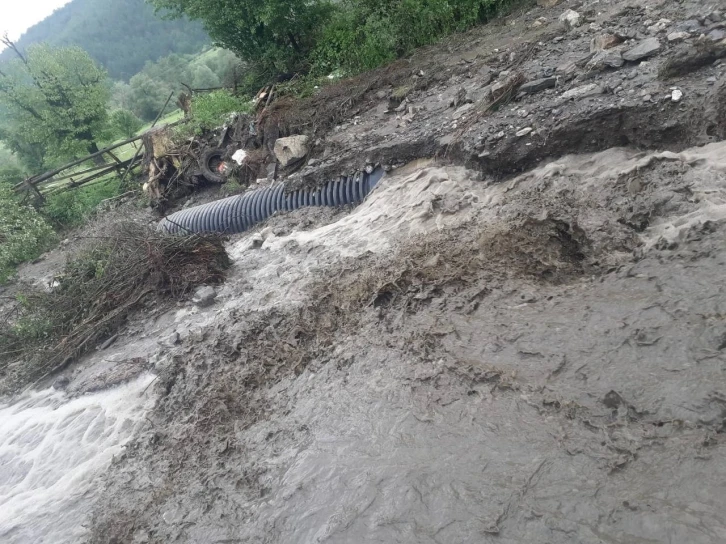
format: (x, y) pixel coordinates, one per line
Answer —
(278, 34)
(125, 123)
(24, 234)
(121, 35)
(11, 171)
(54, 103)
(147, 95)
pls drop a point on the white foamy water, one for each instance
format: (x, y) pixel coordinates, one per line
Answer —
(52, 451)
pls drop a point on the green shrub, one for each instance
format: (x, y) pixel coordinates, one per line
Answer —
(364, 34)
(125, 124)
(210, 110)
(24, 234)
(276, 34)
(72, 208)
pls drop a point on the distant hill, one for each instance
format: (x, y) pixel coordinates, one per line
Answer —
(120, 34)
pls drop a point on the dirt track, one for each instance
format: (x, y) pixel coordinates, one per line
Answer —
(522, 341)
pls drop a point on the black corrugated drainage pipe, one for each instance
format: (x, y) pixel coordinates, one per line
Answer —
(239, 213)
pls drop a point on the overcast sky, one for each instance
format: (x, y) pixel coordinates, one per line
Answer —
(16, 16)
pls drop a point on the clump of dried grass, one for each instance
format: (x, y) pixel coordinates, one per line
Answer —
(116, 275)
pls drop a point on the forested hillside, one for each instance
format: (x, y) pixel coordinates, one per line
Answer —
(122, 35)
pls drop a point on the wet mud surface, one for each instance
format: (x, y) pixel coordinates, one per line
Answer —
(520, 337)
(455, 361)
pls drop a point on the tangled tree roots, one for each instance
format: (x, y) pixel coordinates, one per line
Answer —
(115, 276)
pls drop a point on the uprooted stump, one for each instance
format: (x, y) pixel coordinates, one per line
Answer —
(117, 275)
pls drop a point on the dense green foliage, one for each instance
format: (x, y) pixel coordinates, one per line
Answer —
(24, 234)
(354, 35)
(276, 34)
(125, 124)
(53, 103)
(71, 209)
(11, 171)
(210, 110)
(364, 34)
(147, 91)
(121, 35)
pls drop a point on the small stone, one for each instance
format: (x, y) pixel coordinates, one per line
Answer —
(173, 339)
(256, 241)
(524, 132)
(716, 35)
(459, 99)
(61, 383)
(538, 85)
(606, 59)
(678, 36)
(711, 80)
(570, 19)
(548, 3)
(660, 26)
(676, 95)
(647, 98)
(646, 48)
(603, 42)
(558, 39)
(567, 68)
(691, 25)
(204, 296)
(579, 92)
(716, 16)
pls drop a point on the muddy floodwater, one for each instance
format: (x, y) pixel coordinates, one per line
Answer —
(53, 450)
(540, 360)
(453, 361)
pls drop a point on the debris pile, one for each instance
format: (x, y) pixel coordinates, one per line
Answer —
(129, 268)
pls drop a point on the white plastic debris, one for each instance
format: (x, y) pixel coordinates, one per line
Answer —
(239, 156)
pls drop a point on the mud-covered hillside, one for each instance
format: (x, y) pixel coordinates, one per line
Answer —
(518, 337)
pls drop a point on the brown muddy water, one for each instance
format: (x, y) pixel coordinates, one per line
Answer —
(454, 361)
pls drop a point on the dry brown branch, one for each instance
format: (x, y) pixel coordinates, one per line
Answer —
(114, 277)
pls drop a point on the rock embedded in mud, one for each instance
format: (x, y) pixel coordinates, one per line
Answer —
(660, 26)
(691, 25)
(291, 149)
(645, 49)
(603, 42)
(204, 296)
(581, 92)
(678, 36)
(605, 59)
(524, 132)
(61, 383)
(570, 19)
(538, 85)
